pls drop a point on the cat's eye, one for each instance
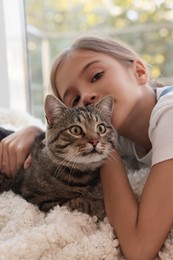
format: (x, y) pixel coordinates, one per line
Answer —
(76, 130)
(97, 76)
(101, 129)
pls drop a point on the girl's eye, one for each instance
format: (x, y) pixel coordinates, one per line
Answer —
(76, 130)
(97, 76)
(101, 129)
(75, 101)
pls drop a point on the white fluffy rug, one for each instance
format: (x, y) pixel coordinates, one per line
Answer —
(27, 233)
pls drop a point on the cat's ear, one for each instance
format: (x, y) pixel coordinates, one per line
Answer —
(53, 108)
(105, 106)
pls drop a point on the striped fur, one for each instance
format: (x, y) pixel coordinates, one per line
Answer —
(66, 159)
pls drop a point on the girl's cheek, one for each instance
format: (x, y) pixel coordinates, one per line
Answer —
(114, 123)
(117, 119)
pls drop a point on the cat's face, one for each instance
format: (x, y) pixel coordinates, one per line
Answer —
(81, 138)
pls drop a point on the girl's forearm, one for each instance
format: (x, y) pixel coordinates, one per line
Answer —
(121, 206)
(120, 202)
(140, 228)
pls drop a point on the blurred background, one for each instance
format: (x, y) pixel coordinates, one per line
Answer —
(34, 32)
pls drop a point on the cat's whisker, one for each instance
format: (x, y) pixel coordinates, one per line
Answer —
(50, 164)
(76, 156)
(111, 155)
(59, 169)
(71, 158)
(63, 164)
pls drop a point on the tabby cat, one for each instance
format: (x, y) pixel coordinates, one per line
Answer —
(66, 158)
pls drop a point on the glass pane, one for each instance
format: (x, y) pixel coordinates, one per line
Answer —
(53, 25)
(14, 62)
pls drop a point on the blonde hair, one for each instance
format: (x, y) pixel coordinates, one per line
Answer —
(113, 47)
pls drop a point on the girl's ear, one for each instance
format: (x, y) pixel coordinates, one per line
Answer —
(141, 72)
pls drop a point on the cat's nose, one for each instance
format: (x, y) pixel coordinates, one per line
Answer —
(94, 142)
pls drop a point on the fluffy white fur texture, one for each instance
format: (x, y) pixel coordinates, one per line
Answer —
(26, 233)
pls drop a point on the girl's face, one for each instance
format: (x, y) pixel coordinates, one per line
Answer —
(87, 76)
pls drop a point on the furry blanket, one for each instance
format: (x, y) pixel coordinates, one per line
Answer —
(27, 233)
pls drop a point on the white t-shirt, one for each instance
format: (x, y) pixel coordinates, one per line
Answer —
(160, 132)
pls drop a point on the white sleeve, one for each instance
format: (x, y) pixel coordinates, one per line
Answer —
(161, 129)
(129, 150)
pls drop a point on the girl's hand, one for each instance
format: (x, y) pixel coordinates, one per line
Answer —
(113, 161)
(15, 148)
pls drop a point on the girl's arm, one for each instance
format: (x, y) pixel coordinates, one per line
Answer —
(15, 148)
(140, 227)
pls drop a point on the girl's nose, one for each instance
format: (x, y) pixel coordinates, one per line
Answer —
(89, 99)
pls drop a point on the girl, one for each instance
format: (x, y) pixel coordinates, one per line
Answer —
(91, 69)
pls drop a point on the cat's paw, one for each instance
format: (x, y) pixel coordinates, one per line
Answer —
(47, 206)
(94, 208)
(78, 204)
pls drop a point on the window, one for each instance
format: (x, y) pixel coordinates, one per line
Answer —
(13, 62)
(52, 25)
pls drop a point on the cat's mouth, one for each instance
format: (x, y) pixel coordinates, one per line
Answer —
(93, 151)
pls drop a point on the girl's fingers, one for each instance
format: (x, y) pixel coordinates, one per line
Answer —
(8, 156)
(5, 160)
(27, 162)
(15, 148)
(12, 162)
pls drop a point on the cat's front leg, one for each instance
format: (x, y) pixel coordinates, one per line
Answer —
(47, 206)
(5, 183)
(93, 208)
